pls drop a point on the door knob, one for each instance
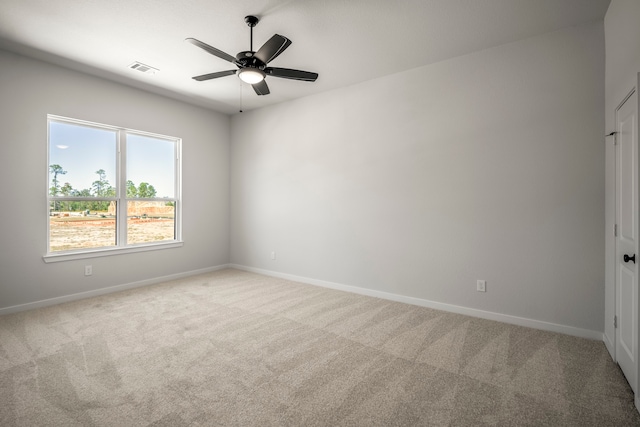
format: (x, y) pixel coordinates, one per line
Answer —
(628, 258)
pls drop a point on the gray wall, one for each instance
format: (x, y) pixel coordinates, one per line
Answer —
(622, 34)
(29, 90)
(488, 166)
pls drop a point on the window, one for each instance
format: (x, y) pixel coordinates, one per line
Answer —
(110, 189)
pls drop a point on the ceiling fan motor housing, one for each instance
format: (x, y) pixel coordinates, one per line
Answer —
(247, 59)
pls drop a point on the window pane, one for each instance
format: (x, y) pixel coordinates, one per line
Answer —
(150, 221)
(150, 167)
(81, 229)
(82, 160)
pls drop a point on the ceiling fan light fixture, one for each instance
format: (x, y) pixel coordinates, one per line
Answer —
(251, 75)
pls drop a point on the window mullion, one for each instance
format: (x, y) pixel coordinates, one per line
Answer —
(122, 188)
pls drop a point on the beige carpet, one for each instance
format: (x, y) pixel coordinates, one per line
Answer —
(233, 348)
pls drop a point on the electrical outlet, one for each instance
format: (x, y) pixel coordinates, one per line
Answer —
(273, 255)
(481, 286)
(88, 270)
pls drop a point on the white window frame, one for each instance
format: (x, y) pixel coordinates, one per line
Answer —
(121, 199)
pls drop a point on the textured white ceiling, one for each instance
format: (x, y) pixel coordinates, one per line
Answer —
(345, 41)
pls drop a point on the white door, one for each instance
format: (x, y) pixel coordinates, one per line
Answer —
(627, 237)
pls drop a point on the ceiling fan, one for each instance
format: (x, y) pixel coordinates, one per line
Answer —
(252, 66)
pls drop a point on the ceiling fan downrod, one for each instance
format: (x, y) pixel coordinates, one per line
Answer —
(251, 21)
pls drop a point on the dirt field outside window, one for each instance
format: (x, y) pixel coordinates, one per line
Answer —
(69, 230)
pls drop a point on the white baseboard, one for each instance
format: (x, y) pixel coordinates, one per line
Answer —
(520, 321)
(104, 291)
(505, 318)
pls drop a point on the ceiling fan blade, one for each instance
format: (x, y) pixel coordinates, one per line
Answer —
(214, 75)
(272, 48)
(287, 73)
(261, 88)
(212, 50)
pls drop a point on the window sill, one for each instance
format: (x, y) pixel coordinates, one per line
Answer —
(70, 256)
